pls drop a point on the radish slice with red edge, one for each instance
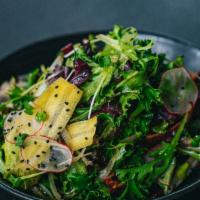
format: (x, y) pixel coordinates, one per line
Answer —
(10, 120)
(46, 154)
(17, 122)
(178, 91)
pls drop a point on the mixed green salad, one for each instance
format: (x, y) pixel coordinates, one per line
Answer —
(108, 119)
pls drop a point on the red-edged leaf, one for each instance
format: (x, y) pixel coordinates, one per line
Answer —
(179, 92)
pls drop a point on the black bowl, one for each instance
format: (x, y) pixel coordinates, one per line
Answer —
(26, 59)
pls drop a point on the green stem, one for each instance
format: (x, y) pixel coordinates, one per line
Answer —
(180, 130)
(32, 175)
(95, 95)
(190, 153)
(126, 80)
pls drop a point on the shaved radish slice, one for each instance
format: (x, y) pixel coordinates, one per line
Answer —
(9, 124)
(18, 122)
(38, 130)
(46, 154)
(41, 89)
(10, 120)
(179, 92)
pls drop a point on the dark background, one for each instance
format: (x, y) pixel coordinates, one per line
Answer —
(25, 21)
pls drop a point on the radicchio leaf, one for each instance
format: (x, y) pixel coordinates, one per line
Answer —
(87, 47)
(67, 49)
(127, 66)
(59, 71)
(111, 109)
(178, 91)
(81, 74)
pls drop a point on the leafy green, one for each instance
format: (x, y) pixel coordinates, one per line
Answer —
(104, 61)
(122, 90)
(196, 141)
(161, 128)
(20, 139)
(101, 76)
(15, 181)
(2, 119)
(178, 62)
(107, 121)
(32, 77)
(41, 116)
(147, 174)
(28, 109)
(117, 156)
(21, 101)
(150, 95)
(126, 99)
(78, 184)
(1, 162)
(166, 179)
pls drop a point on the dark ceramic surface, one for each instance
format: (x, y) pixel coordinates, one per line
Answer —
(24, 60)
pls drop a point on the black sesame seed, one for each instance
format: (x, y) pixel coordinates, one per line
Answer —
(20, 113)
(86, 138)
(78, 92)
(15, 138)
(67, 110)
(27, 169)
(35, 142)
(13, 152)
(21, 161)
(60, 127)
(10, 120)
(56, 95)
(37, 156)
(43, 152)
(66, 103)
(50, 125)
(56, 86)
(59, 133)
(47, 141)
(29, 124)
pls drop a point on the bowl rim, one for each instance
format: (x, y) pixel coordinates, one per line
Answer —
(25, 196)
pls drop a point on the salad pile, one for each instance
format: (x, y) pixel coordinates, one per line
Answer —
(108, 119)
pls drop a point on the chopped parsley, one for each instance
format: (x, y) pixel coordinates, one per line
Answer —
(41, 116)
(20, 139)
